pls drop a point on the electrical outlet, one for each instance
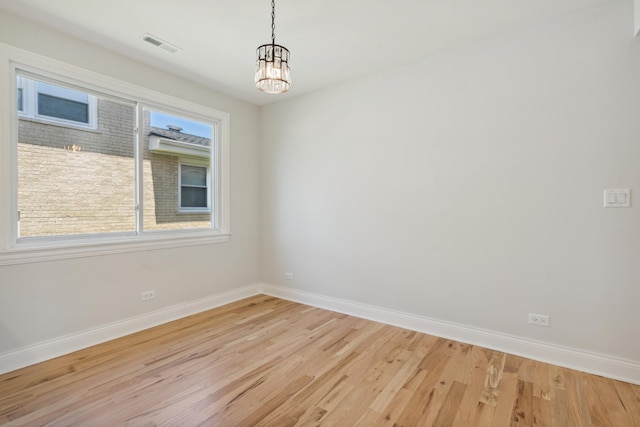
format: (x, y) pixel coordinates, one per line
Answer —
(288, 276)
(147, 295)
(539, 319)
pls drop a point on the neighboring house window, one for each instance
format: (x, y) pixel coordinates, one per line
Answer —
(194, 188)
(56, 103)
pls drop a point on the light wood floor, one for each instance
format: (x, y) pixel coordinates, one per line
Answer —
(269, 362)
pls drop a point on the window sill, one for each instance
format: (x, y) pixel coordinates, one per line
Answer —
(65, 250)
(187, 212)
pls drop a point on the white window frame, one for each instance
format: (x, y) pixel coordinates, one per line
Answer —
(19, 251)
(201, 164)
(30, 106)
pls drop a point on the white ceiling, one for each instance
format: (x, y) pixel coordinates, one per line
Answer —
(331, 41)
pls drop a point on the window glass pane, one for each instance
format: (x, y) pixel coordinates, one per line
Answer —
(194, 197)
(62, 92)
(73, 181)
(20, 101)
(171, 187)
(194, 175)
(61, 108)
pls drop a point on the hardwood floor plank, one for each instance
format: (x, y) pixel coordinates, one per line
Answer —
(265, 362)
(393, 385)
(540, 380)
(605, 406)
(629, 396)
(472, 411)
(397, 407)
(541, 412)
(493, 377)
(433, 365)
(263, 408)
(371, 418)
(523, 409)
(578, 409)
(297, 407)
(448, 411)
(311, 417)
(442, 391)
(350, 409)
(483, 416)
(559, 407)
(507, 392)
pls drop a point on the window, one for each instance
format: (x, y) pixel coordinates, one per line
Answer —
(105, 167)
(61, 103)
(177, 169)
(194, 188)
(55, 103)
(73, 182)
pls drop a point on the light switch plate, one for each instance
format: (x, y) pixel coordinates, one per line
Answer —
(617, 198)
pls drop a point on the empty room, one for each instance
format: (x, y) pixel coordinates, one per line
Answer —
(306, 213)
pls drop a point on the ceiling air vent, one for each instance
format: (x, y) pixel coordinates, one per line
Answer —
(160, 43)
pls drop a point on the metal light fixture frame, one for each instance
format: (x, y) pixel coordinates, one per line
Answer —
(272, 63)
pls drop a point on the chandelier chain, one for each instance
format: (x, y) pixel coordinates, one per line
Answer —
(273, 21)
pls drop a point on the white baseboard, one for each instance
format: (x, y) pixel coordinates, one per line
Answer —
(594, 363)
(46, 350)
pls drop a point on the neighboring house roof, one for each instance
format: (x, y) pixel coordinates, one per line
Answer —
(177, 135)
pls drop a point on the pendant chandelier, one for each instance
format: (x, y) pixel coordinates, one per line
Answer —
(272, 63)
